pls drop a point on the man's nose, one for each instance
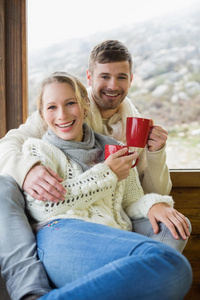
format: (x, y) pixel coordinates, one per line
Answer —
(112, 84)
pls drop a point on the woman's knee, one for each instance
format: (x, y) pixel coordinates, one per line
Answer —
(168, 269)
(180, 273)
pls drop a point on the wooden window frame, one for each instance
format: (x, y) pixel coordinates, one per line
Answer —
(13, 65)
(185, 178)
(14, 78)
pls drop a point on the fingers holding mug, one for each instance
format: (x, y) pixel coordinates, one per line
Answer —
(119, 160)
(157, 138)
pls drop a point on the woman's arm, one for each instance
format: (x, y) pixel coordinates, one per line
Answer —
(82, 189)
(135, 202)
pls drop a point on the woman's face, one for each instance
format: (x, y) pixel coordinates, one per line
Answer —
(61, 111)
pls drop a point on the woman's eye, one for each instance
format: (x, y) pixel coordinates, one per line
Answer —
(71, 103)
(51, 107)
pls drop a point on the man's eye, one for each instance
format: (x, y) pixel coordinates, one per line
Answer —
(122, 78)
(105, 77)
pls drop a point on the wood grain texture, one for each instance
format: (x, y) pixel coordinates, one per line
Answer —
(3, 127)
(186, 194)
(13, 65)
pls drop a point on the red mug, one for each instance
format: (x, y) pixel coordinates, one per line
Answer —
(137, 131)
(111, 149)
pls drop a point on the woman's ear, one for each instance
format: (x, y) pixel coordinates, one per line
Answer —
(85, 114)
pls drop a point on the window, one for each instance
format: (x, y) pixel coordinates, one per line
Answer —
(164, 41)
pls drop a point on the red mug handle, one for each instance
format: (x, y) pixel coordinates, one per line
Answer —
(135, 161)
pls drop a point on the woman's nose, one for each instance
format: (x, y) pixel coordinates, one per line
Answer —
(62, 113)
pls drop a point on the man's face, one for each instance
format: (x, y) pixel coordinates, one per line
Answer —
(110, 83)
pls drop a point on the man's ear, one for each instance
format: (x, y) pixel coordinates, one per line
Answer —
(88, 76)
(131, 77)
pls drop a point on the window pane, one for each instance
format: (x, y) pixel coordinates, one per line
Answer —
(164, 41)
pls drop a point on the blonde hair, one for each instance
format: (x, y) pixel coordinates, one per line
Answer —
(64, 77)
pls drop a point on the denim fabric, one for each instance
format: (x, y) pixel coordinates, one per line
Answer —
(144, 227)
(18, 257)
(92, 261)
(20, 266)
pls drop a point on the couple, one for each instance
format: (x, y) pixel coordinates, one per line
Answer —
(78, 216)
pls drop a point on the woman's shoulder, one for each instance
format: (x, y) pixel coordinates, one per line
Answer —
(38, 146)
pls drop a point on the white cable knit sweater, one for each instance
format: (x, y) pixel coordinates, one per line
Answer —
(152, 168)
(93, 196)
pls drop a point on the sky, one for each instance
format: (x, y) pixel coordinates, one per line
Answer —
(55, 21)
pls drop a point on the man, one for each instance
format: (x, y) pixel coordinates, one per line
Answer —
(109, 77)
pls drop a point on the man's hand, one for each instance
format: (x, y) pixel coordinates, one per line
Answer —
(173, 220)
(43, 184)
(157, 138)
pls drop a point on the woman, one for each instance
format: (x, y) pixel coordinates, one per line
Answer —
(86, 241)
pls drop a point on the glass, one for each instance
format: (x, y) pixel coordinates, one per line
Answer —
(165, 48)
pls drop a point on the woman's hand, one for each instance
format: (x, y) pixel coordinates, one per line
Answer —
(43, 183)
(173, 220)
(119, 164)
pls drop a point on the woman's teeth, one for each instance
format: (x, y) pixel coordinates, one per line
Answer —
(66, 125)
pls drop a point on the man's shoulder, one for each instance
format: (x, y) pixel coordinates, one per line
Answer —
(35, 116)
(34, 126)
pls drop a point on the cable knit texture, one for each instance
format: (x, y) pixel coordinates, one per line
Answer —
(93, 196)
(152, 168)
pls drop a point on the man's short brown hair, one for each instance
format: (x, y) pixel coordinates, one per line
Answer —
(110, 51)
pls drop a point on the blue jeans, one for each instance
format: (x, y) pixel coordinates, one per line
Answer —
(92, 261)
(21, 269)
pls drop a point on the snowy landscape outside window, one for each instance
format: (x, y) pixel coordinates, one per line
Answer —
(163, 38)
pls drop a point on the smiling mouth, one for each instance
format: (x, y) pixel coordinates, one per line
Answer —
(111, 95)
(66, 125)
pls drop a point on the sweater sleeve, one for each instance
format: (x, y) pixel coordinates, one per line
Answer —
(12, 161)
(83, 189)
(135, 203)
(152, 168)
(153, 172)
(141, 208)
